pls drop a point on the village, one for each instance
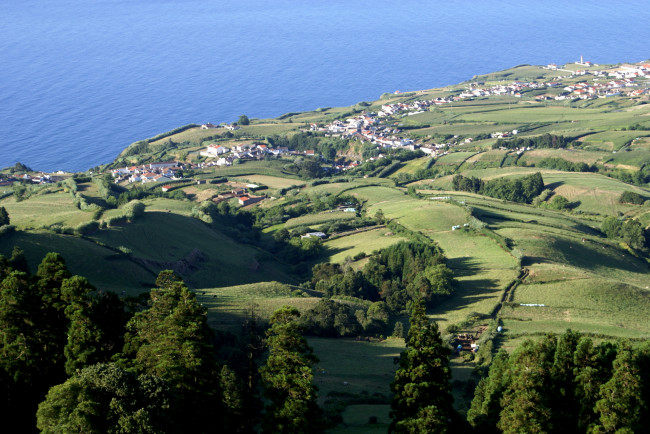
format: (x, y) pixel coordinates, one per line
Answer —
(381, 128)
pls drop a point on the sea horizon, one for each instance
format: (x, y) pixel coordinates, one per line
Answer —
(83, 81)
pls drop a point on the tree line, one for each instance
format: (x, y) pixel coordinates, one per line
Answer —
(551, 141)
(74, 359)
(522, 190)
(565, 384)
(397, 275)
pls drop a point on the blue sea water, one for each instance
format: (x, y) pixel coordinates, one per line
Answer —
(80, 80)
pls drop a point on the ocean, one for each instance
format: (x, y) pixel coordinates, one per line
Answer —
(80, 80)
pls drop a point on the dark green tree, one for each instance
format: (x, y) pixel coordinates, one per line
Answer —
(621, 407)
(423, 400)
(483, 415)
(564, 403)
(4, 216)
(18, 261)
(23, 359)
(104, 398)
(287, 377)
(527, 399)
(592, 368)
(243, 120)
(96, 324)
(172, 340)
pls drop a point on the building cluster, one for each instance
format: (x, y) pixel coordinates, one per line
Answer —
(153, 172)
(611, 88)
(224, 156)
(37, 178)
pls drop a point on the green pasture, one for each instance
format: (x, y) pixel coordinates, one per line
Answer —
(413, 166)
(426, 216)
(318, 219)
(630, 159)
(453, 158)
(256, 129)
(106, 269)
(269, 181)
(254, 167)
(483, 270)
(523, 114)
(491, 158)
(228, 307)
(359, 369)
(601, 306)
(572, 155)
(45, 210)
(349, 187)
(181, 207)
(192, 135)
(378, 196)
(613, 140)
(338, 249)
(365, 366)
(590, 192)
(596, 193)
(162, 240)
(597, 257)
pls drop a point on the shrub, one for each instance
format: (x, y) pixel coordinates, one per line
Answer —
(133, 210)
(87, 227)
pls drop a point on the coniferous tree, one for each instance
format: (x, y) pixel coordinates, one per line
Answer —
(18, 261)
(21, 353)
(96, 324)
(4, 216)
(423, 400)
(593, 367)
(564, 404)
(486, 405)
(621, 407)
(104, 398)
(172, 340)
(287, 377)
(527, 399)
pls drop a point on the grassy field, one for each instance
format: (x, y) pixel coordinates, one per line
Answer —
(338, 249)
(166, 240)
(482, 267)
(453, 158)
(339, 371)
(413, 166)
(106, 269)
(45, 210)
(255, 167)
(483, 270)
(318, 219)
(572, 155)
(269, 181)
(599, 306)
(228, 306)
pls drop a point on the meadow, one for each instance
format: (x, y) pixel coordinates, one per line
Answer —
(229, 306)
(337, 250)
(318, 219)
(43, 210)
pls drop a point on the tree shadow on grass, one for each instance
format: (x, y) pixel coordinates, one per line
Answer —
(553, 185)
(463, 266)
(466, 294)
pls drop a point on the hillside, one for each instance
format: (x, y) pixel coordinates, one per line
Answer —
(234, 222)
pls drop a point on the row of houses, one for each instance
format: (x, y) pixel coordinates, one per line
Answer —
(152, 172)
(586, 90)
(38, 178)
